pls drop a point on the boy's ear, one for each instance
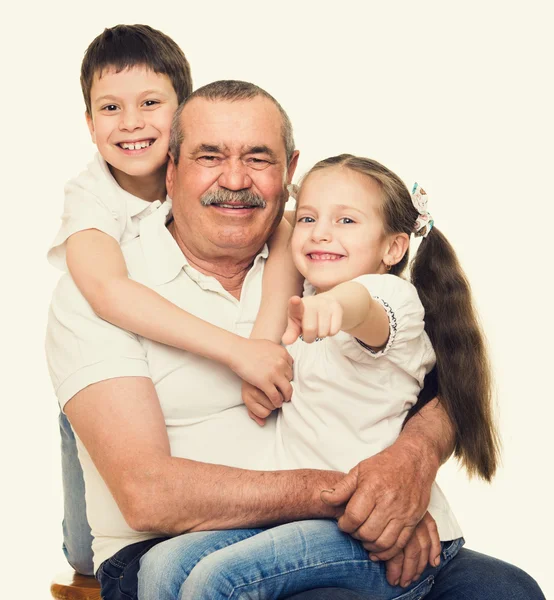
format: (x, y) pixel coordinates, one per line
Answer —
(398, 246)
(90, 125)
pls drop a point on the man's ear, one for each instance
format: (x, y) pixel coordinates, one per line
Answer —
(169, 176)
(90, 125)
(293, 163)
(398, 246)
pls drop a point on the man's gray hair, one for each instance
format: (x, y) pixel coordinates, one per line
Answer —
(228, 91)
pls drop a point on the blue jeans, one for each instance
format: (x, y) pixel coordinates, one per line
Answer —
(272, 563)
(77, 540)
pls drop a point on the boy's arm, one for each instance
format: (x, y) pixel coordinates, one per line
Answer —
(98, 268)
(281, 281)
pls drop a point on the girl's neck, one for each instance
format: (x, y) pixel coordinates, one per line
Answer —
(148, 187)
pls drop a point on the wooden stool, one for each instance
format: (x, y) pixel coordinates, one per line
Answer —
(72, 586)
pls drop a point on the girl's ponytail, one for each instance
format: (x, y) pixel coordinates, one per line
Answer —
(463, 376)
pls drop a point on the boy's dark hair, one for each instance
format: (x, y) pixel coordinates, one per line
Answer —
(125, 46)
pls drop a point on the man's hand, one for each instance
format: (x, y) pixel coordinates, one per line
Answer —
(267, 366)
(386, 496)
(423, 548)
(314, 317)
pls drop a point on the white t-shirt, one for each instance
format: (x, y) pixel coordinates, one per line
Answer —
(94, 200)
(349, 402)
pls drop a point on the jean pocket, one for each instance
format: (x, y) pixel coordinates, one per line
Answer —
(419, 591)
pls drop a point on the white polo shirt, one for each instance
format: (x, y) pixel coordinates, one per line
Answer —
(94, 200)
(200, 399)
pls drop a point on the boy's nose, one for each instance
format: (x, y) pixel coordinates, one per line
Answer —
(234, 176)
(131, 120)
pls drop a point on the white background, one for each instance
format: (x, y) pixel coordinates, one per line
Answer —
(456, 96)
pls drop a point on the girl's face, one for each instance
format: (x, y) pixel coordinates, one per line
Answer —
(339, 233)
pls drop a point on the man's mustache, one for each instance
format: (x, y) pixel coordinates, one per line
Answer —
(242, 197)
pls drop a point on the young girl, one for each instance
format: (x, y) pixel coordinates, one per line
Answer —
(362, 351)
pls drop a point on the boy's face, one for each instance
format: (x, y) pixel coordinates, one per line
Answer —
(131, 118)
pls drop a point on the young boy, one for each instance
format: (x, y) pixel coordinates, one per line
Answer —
(133, 78)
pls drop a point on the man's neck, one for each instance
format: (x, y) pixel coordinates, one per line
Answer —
(230, 271)
(149, 187)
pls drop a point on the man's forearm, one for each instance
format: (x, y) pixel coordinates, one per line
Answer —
(429, 433)
(184, 495)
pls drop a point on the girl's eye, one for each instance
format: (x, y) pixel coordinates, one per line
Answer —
(346, 221)
(149, 103)
(306, 220)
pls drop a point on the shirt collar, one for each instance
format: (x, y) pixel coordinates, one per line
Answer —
(162, 254)
(135, 206)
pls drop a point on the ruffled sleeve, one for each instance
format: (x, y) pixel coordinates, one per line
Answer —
(407, 340)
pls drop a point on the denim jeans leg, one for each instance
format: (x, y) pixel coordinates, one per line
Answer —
(164, 568)
(295, 558)
(473, 575)
(77, 540)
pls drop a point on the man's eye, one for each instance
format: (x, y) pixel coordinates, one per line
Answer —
(149, 103)
(208, 160)
(257, 163)
(346, 220)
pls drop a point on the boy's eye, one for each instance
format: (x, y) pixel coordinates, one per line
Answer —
(306, 220)
(346, 220)
(109, 107)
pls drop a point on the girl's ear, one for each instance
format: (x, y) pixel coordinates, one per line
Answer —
(398, 245)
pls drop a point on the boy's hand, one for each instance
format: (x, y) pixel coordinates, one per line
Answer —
(258, 404)
(267, 366)
(314, 317)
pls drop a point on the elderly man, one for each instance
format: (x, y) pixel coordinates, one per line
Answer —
(164, 440)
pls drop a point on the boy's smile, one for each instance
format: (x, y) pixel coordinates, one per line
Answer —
(130, 122)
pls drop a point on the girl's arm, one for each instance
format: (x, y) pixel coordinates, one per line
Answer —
(363, 317)
(281, 281)
(347, 307)
(98, 268)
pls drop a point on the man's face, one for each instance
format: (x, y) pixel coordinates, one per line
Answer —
(228, 189)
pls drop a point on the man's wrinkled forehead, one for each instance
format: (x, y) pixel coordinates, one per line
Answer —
(233, 126)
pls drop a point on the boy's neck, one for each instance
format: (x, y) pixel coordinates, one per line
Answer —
(147, 187)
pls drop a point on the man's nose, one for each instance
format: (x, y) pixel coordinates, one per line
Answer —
(234, 176)
(131, 120)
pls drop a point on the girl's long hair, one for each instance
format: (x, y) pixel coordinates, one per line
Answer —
(462, 376)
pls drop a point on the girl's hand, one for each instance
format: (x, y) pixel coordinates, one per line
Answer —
(267, 366)
(313, 317)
